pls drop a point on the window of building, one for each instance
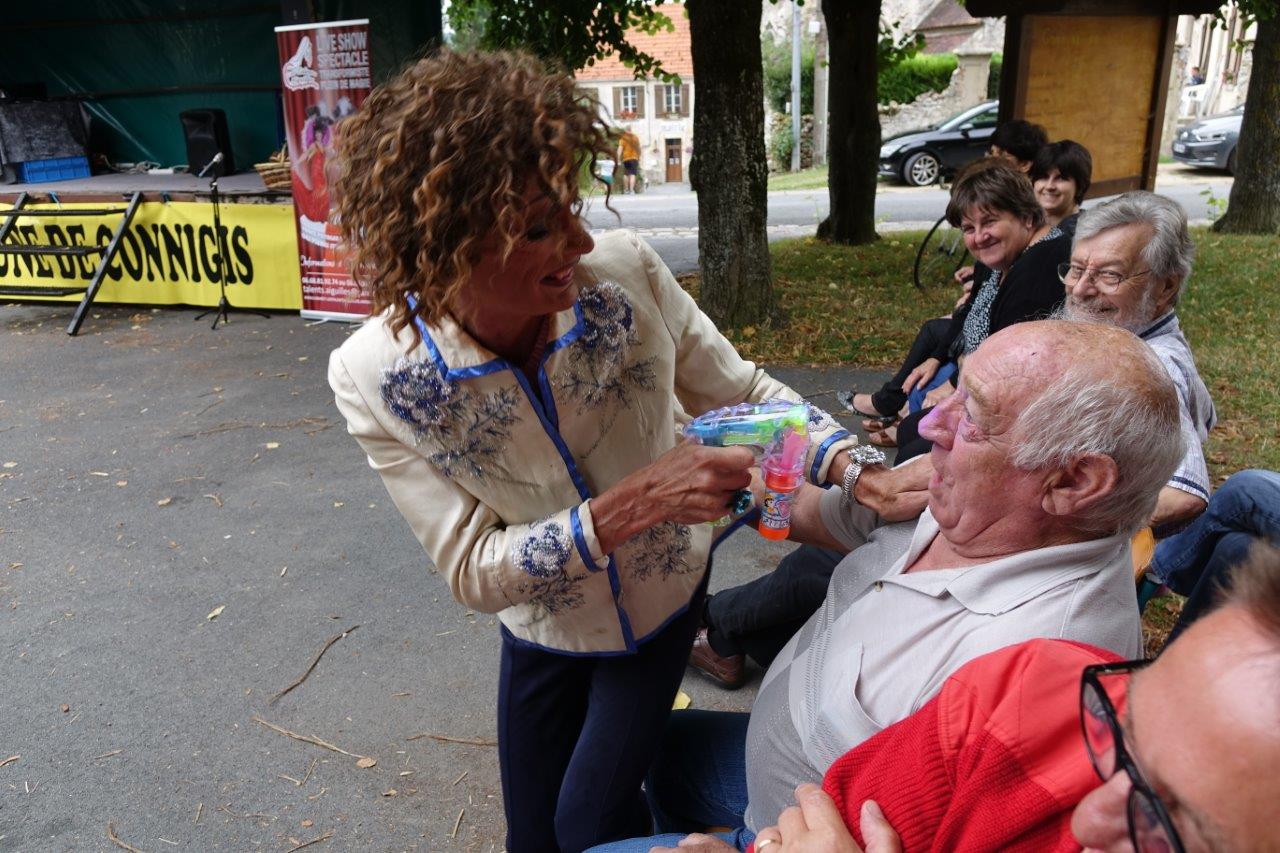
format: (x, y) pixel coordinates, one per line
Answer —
(630, 99)
(671, 100)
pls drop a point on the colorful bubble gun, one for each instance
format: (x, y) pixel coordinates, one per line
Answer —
(778, 432)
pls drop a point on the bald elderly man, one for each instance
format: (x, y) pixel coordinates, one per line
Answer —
(1048, 456)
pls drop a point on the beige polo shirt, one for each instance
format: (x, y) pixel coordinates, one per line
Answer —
(883, 642)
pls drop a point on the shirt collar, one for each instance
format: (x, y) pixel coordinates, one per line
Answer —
(1008, 582)
(460, 356)
(1166, 324)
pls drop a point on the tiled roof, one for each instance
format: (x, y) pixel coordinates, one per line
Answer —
(670, 48)
(947, 13)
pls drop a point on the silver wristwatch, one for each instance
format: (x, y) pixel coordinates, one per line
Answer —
(860, 456)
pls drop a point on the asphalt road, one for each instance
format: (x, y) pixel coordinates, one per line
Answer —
(668, 217)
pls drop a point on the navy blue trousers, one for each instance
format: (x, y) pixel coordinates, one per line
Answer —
(576, 736)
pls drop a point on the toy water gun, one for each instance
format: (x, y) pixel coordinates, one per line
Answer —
(777, 431)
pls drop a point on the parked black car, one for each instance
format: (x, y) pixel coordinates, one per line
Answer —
(1211, 141)
(920, 157)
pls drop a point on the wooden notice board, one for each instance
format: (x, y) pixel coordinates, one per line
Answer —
(1099, 79)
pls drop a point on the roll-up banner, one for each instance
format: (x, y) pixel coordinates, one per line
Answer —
(325, 72)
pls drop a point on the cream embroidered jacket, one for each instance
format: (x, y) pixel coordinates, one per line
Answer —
(497, 487)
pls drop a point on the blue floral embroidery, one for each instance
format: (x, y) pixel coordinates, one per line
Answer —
(553, 595)
(469, 430)
(544, 551)
(659, 550)
(820, 420)
(597, 374)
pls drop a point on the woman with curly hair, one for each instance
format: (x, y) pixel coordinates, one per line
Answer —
(518, 388)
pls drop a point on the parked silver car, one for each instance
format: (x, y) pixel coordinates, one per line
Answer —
(1211, 141)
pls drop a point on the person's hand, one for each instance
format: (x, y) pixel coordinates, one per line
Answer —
(689, 484)
(814, 825)
(921, 375)
(697, 843)
(964, 276)
(896, 494)
(937, 395)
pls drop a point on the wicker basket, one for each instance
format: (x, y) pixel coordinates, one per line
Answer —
(275, 174)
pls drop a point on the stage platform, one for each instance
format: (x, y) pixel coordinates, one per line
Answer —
(241, 188)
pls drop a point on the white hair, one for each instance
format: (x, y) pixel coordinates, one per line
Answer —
(1131, 415)
(1170, 252)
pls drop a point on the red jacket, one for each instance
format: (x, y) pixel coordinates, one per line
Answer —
(995, 761)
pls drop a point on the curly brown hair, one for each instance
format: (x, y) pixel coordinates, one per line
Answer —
(434, 168)
(993, 184)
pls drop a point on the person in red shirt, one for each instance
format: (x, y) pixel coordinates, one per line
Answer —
(1176, 755)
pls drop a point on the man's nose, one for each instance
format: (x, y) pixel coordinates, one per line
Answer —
(939, 426)
(1101, 820)
(1085, 285)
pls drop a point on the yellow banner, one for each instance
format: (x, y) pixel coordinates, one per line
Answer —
(168, 255)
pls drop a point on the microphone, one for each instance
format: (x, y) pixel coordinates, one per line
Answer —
(217, 158)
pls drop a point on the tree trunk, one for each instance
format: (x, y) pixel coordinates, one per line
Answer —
(853, 34)
(729, 170)
(1254, 205)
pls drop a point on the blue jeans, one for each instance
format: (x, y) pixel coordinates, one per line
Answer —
(1196, 562)
(698, 780)
(915, 400)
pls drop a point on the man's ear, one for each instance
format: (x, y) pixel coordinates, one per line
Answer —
(1166, 292)
(1082, 484)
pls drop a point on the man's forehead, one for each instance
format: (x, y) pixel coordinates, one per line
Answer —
(999, 377)
(1120, 244)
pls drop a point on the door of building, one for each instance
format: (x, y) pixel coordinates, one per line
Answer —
(675, 165)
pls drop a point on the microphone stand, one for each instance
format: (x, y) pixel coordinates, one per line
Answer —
(220, 311)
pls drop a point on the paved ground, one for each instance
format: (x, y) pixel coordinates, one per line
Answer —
(156, 473)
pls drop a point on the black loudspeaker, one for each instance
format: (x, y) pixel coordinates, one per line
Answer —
(206, 133)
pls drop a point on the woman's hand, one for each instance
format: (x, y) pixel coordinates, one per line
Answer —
(688, 484)
(698, 842)
(921, 375)
(814, 825)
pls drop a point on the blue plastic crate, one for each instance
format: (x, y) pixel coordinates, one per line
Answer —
(53, 169)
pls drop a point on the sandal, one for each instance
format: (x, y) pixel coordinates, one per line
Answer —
(887, 437)
(845, 398)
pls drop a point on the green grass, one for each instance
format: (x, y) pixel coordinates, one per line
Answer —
(857, 306)
(807, 179)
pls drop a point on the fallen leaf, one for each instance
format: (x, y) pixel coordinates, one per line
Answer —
(748, 331)
(122, 482)
(390, 792)
(216, 612)
(100, 473)
(366, 761)
(406, 772)
(164, 501)
(272, 445)
(64, 708)
(308, 823)
(682, 702)
(337, 504)
(11, 464)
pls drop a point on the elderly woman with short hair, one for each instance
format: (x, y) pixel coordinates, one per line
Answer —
(517, 389)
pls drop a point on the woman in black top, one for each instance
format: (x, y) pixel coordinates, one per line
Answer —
(1060, 175)
(1016, 277)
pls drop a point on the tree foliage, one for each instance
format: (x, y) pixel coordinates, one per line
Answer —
(571, 33)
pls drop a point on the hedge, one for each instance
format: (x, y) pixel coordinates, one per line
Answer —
(907, 80)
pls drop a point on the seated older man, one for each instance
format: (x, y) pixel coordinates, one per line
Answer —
(1047, 457)
(1129, 266)
(997, 760)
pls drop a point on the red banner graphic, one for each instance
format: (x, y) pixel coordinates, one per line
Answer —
(326, 75)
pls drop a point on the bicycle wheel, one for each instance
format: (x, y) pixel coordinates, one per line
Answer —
(941, 253)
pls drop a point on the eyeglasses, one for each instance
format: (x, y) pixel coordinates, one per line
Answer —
(1150, 828)
(1108, 281)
